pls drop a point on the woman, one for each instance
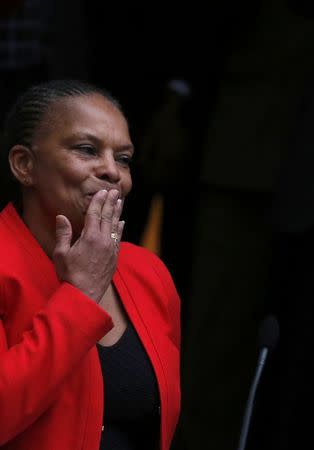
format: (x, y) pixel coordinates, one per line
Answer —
(89, 332)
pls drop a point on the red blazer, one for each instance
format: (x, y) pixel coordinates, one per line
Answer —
(51, 387)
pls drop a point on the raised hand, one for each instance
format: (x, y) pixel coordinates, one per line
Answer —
(90, 262)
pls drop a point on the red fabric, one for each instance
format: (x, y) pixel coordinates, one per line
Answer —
(51, 388)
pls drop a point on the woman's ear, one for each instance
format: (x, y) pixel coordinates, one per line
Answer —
(21, 160)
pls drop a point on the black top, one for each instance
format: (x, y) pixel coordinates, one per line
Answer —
(131, 411)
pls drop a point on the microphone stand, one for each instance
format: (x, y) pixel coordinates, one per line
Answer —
(249, 406)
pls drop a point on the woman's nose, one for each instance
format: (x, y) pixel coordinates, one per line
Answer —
(108, 169)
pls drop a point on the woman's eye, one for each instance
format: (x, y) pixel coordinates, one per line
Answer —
(88, 149)
(124, 160)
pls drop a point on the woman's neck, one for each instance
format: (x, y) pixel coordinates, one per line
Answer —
(40, 225)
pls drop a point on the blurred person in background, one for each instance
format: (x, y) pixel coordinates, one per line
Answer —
(166, 171)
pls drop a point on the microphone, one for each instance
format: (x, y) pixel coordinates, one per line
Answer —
(267, 340)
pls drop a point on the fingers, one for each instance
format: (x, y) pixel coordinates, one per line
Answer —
(63, 235)
(120, 229)
(103, 213)
(93, 213)
(111, 212)
(116, 213)
(117, 234)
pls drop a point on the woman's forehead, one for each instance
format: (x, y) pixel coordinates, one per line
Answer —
(91, 112)
(75, 107)
(87, 108)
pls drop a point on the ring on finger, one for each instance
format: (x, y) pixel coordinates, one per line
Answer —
(115, 237)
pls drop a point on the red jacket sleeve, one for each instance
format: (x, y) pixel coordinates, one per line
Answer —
(32, 371)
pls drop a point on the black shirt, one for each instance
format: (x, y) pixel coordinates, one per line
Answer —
(131, 411)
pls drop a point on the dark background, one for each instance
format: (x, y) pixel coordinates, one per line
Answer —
(233, 163)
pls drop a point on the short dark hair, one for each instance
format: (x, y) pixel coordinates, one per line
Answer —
(25, 116)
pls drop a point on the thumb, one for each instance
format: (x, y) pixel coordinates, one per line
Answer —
(63, 234)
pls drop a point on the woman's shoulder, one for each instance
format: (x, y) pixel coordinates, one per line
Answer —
(144, 263)
(130, 249)
(137, 255)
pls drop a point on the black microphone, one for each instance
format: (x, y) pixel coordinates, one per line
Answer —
(267, 340)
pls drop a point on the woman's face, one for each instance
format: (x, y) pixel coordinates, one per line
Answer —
(81, 146)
